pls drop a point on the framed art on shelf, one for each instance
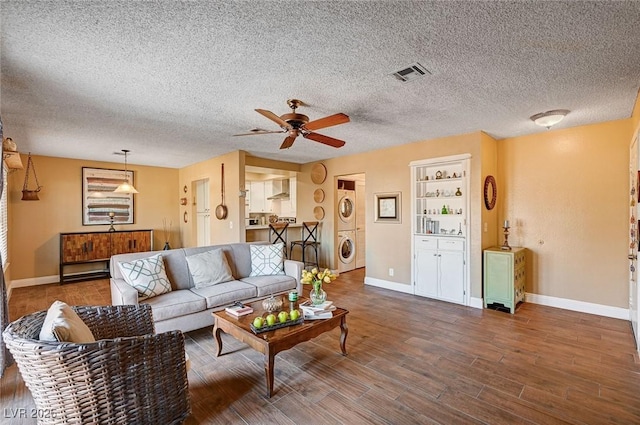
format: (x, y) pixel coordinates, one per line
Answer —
(98, 198)
(387, 206)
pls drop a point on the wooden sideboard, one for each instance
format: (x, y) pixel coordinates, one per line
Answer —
(80, 248)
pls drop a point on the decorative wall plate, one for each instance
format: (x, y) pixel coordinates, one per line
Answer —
(318, 213)
(490, 192)
(318, 195)
(318, 173)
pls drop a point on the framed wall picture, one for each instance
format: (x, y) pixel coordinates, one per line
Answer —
(387, 206)
(98, 198)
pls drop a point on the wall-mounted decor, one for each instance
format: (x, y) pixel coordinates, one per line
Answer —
(387, 207)
(318, 195)
(490, 192)
(99, 198)
(318, 173)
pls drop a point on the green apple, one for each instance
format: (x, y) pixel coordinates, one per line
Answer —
(258, 322)
(294, 314)
(283, 316)
(271, 319)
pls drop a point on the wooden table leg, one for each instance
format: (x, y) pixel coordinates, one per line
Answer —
(216, 334)
(343, 335)
(269, 360)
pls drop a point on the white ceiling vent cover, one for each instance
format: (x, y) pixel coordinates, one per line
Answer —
(410, 73)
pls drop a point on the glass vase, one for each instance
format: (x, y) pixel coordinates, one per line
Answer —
(317, 294)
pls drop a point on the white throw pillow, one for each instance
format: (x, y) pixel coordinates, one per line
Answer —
(63, 324)
(267, 259)
(209, 268)
(147, 275)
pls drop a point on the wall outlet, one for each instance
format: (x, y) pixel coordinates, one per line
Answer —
(391, 271)
(231, 225)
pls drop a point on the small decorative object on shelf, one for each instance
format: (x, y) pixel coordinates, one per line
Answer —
(317, 278)
(505, 245)
(166, 233)
(458, 192)
(112, 216)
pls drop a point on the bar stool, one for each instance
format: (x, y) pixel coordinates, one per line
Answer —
(309, 239)
(278, 233)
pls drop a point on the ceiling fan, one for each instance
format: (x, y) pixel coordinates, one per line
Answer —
(297, 124)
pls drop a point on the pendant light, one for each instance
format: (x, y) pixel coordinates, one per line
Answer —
(125, 187)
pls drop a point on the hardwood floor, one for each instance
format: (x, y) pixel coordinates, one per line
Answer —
(411, 360)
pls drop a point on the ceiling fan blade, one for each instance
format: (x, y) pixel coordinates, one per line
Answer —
(273, 117)
(329, 121)
(288, 142)
(336, 143)
(255, 131)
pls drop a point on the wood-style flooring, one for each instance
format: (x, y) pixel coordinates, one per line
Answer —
(411, 360)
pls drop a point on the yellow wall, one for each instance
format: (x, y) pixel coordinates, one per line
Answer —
(565, 193)
(34, 226)
(222, 231)
(387, 170)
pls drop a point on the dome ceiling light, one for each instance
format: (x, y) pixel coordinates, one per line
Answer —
(549, 118)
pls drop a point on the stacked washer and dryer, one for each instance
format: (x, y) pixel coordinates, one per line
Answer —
(346, 229)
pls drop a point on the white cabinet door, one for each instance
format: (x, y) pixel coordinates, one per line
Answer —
(451, 269)
(202, 196)
(257, 197)
(426, 268)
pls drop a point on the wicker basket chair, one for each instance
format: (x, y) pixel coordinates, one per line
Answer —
(128, 376)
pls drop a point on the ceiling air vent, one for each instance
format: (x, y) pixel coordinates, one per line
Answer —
(411, 73)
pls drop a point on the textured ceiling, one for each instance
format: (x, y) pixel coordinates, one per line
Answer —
(173, 81)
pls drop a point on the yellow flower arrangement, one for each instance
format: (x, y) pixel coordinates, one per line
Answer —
(317, 278)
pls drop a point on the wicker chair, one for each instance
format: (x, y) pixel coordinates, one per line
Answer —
(128, 376)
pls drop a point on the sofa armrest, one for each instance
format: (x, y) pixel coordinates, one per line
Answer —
(294, 269)
(122, 293)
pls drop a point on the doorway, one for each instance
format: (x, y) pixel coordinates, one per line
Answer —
(351, 222)
(203, 213)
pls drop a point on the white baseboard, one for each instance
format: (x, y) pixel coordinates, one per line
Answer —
(35, 281)
(476, 302)
(394, 286)
(581, 306)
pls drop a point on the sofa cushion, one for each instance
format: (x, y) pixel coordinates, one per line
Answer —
(209, 268)
(267, 285)
(175, 304)
(226, 293)
(267, 260)
(147, 275)
(63, 324)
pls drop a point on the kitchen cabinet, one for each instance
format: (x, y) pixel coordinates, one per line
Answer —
(439, 268)
(439, 211)
(258, 202)
(504, 277)
(83, 248)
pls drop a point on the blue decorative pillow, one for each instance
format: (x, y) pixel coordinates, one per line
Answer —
(267, 259)
(147, 275)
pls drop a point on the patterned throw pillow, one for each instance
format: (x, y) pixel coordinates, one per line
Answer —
(209, 268)
(147, 275)
(267, 259)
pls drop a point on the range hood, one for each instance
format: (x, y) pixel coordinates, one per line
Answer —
(280, 190)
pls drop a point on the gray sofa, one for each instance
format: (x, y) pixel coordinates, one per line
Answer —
(186, 308)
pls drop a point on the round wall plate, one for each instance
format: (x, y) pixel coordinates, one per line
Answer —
(318, 173)
(318, 195)
(318, 213)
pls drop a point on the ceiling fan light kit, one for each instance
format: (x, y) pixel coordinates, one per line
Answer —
(549, 118)
(295, 124)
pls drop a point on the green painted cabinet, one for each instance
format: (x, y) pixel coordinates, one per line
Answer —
(504, 277)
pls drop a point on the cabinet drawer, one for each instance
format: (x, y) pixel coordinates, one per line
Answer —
(451, 244)
(426, 243)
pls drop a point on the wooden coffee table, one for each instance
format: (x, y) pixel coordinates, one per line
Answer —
(272, 342)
